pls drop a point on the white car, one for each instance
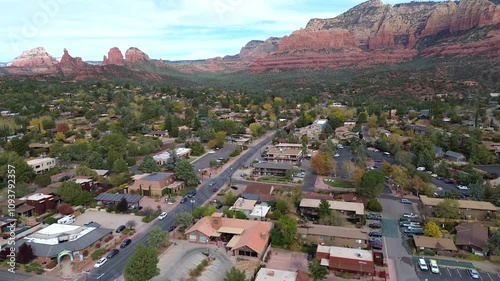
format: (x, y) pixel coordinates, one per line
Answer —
(211, 152)
(162, 215)
(434, 267)
(421, 169)
(422, 264)
(336, 155)
(100, 262)
(462, 187)
(410, 215)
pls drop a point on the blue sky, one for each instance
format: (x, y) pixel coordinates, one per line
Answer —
(167, 29)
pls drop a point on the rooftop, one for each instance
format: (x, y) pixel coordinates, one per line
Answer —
(156, 176)
(118, 197)
(166, 154)
(260, 211)
(346, 253)
(358, 208)
(434, 243)
(463, 204)
(244, 204)
(334, 231)
(38, 197)
(266, 165)
(268, 274)
(40, 161)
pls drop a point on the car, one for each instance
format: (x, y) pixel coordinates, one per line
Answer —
(473, 273)
(310, 256)
(88, 223)
(125, 243)
(183, 200)
(215, 189)
(211, 184)
(162, 215)
(422, 264)
(373, 216)
(449, 181)
(420, 169)
(221, 159)
(462, 187)
(336, 155)
(192, 193)
(211, 152)
(414, 224)
(100, 262)
(375, 225)
(244, 175)
(376, 150)
(217, 148)
(377, 246)
(340, 146)
(234, 187)
(171, 228)
(375, 239)
(434, 175)
(440, 178)
(113, 253)
(434, 266)
(375, 234)
(405, 201)
(377, 161)
(410, 215)
(120, 228)
(218, 206)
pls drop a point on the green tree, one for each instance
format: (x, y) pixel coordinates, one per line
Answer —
(149, 165)
(95, 161)
(362, 117)
(286, 228)
(371, 184)
(203, 211)
(72, 193)
(431, 229)
(122, 205)
(42, 180)
(143, 265)
(229, 198)
(254, 128)
(184, 220)
(493, 245)
(184, 171)
(158, 237)
(197, 148)
(477, 190)
(425, 158)
(22, 189)
(318, 272)
(120, 166)
(23, 172)
(235, 275)
(447, 209)
(374, 205)
(85, 171)
(172, 161)
(324, 208)
(332, 219)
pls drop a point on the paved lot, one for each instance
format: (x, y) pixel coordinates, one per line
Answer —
(454, 274)
(108, 220)
(204, 162)
(287, 260)
(390, 228)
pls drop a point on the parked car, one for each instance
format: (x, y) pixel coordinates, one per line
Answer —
(113, 253)
(162, 215)
(377, 245)
(410, 215)
(405, 201)
(373, 216)
(462, 187)
(215, 189)
(375, 234)
(244, 175)
(449, 181)
(100, 262)
(211, 184)
(120, 228)
(192, 193)
(336, 155)
(375, 225)
(422, 264)
(234, 187)
(434, 266)
(473, 273)
(310, 256)
(88, 223)
(183, 200)
(375, 239)
(125, 243)
(218, 206)
(171, 228)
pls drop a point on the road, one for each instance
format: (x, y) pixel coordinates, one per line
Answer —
(489, 113)
(366, 135)
(115, 266)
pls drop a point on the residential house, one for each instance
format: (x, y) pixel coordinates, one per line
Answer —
(346, 259)
(6, 224)
(271, 169)
(155, 184)
(321, 123)
(259, 191)
(259, 212)
(283, 145)
(327, 235)
(86, 183)
(438, 152)
(42, 203)
(352, 197)
(159, 134)
(309, 207)
(21, 208)
(454, 156)
(242, 238)
(472, 237)
(42, 165)
(424, 114)
(442, 246)
(269, 274)
(115, 198)
(244, 205)
(162, 158)
(350, 124)
(101, 174)
(344, 133)
(280, 155)
(469, 209)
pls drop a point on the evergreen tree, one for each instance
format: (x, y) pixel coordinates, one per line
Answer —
(158, 237)
(120, 166)
(172, 160)
(149, 165)
(235, 275)
(184, 171)
(143, 265)
(95, 161)
(122, 206)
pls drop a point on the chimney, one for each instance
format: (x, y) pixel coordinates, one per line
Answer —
(216, 221)
(263, 235)
(270, 273)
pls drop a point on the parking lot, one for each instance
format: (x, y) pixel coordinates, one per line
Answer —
(453, 274)
(108, 220)
(288, 260)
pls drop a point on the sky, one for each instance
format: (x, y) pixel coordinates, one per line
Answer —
(167, 29)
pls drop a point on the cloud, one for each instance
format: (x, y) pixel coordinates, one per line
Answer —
(170, 29)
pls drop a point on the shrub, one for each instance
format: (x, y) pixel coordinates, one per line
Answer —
(52, 264)
(93, 204)
(107, 238)
(50, 220)
(428, 253)
(66, 209)
(346, 275)
(97, 254)
(86, 253)
(97, 245)
(374, 206)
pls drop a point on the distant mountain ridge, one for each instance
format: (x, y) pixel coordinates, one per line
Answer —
(367, 34)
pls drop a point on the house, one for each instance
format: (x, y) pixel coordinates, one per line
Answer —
(352, 197)
(102, 173)
(350, 124)
(162, 158)
(424, 114)
(454, 156)
(321, 123)
(21, 208)
(155, 184)
(86, 183)
(309, 207)
(346, 259)
(42, 203)
(271, 169)
(438, 152)
(56, 240)
(439, 245)
(280, 155)
(344, 133)
(327, 235)
(42, 165)
(115, 198)
(472, 237)
(269, 274)
(158, 134)
(469, 209)
(259, 189)
(259, 212)
(242, 238)
(6, 224)
(243, 205)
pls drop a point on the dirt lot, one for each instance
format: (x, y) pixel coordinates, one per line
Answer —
(288, 260)
(108, 220)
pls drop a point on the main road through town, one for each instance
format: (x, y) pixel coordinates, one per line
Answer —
(114, 267)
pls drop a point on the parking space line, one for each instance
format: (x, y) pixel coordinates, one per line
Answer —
(448, 271)
(480, 276)
(487, 273)
(459, 273)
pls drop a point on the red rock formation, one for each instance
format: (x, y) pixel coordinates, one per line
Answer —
(69, 64)
(160, 63)
(114, 57)
(322, 39)
(134, 55)
(36, 60)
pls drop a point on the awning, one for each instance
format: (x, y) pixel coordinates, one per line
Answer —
(217, 234)
(325, 262)
(233, 241)
(230, 230)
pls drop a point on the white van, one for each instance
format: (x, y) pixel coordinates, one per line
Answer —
(422, 264)
(66, 220)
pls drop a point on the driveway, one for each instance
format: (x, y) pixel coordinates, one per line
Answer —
(108, 220)
(176, 262)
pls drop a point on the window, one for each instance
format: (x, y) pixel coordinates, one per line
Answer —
(203, 238)
(321, 237)
(332, 238)
(192, 237)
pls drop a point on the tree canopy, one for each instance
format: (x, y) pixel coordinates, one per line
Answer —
(143, 265)
(371, 184)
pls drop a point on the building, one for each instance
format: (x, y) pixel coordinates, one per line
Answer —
(469, 209)
(441, 246)
(115, 198)
(102, 173)
(6, 224)
(269, 274)
(42, 203)
(244, 205)
(86, 183)
(454, 156)
(289, 146)
(42, 165)
(326, 235)
(21, 208)
(321, 123)
(57, 239)
(158, 134)
(472, 237)
(438, 152)
(243, 238)
(259, 212)
(288, 155)
(271, 169)
(346, 259)
(309, 207)
(155, 184)
(259, 191)
(162, 158)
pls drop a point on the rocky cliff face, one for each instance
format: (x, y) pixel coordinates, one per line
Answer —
(37, 60)
(115, 57)
(257, 48)
(134, 55)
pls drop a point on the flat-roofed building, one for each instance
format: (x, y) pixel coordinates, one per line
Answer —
(334, 236)
(42, 165)
(309, 207)
(469, 209)
(42, 202)
(346, 259)
(271, 169)
(288, 155)
(244, 205)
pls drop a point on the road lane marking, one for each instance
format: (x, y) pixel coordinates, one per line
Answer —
(489, 276)
(459, 273)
